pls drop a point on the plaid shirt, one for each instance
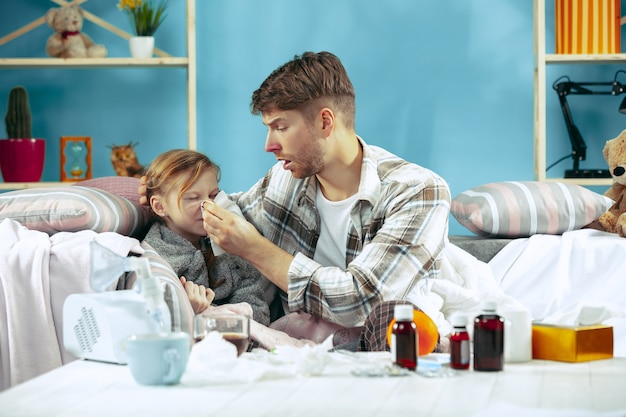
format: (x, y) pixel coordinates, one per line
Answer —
(397, 231)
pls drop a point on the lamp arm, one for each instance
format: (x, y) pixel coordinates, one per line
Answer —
(563, 87)
(579, 147)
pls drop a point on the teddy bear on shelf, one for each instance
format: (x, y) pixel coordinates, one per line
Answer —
(614, 219)
(68, 41)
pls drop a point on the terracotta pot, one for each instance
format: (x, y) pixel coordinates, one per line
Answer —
(22, 160)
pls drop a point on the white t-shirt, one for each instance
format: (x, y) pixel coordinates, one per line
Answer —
(335, 222)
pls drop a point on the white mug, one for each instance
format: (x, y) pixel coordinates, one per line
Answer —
(518, 333)
(158, 358)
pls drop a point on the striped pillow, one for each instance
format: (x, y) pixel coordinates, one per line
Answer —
(524, 208)
(74, 208)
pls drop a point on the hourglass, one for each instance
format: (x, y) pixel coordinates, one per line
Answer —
(75, 158)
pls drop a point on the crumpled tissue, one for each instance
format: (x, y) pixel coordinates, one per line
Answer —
(215, 360)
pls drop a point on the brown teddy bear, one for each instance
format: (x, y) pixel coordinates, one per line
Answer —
(68, 41)
(614, 219)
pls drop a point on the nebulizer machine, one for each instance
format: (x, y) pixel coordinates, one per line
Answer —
(96, 325)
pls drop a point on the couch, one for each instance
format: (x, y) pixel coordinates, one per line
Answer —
(504, 220)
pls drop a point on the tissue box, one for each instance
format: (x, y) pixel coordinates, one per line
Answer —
(572, 343)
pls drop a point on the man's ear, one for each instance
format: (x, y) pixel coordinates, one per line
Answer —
(328, 120)
(157, 206)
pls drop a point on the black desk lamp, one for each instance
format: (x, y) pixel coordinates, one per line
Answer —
(579, 148)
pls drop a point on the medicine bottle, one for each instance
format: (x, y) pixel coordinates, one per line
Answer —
(459, 344)
(488, 339)
(404, 337)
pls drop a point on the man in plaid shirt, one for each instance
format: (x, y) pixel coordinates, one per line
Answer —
(338, 225)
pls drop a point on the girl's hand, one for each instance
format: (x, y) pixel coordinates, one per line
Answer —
(199, 296)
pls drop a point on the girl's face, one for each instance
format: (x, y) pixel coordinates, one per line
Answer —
(186, 218)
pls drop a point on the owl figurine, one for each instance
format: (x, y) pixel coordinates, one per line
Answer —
(125, 162)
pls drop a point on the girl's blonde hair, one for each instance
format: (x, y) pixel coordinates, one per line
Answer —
(165, 170)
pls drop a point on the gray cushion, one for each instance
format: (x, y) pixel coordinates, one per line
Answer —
(483, 248)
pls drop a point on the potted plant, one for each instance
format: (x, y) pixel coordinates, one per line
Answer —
(145, 17)
(21, 156)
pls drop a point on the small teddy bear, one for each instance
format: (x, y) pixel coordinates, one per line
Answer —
(614, 219)
(68, 41)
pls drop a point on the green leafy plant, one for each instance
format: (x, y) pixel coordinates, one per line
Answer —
(145, 16)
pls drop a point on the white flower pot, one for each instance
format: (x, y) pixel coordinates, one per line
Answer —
(141, 46)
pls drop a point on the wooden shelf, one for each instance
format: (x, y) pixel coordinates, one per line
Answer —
(542, 59)
(22, 185)
(586, 182)
(585, 59)
(162, 60)
(72, 63)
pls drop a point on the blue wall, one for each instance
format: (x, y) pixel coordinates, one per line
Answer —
(447, 84)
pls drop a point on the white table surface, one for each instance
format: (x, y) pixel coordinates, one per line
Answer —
(86, 388)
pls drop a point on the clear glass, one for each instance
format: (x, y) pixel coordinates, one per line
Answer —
(234, 328)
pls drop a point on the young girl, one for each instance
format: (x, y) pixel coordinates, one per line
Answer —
(177, 181)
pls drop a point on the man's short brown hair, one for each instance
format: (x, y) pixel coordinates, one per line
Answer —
(307, 83)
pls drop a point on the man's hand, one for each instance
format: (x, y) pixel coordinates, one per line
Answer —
(143, 200)
(199, 296)
(229, 231)
(239, 237)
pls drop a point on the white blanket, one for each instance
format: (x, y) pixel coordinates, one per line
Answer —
(465, 283)
(561, 279)
(556, 276)
(37, 273)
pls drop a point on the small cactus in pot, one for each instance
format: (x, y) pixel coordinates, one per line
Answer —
(21, 156)
(18, 119)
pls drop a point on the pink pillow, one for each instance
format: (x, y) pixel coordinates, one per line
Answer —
(123, 186)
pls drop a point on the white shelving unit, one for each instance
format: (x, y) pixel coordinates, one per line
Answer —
(541, 61)
(163, 60)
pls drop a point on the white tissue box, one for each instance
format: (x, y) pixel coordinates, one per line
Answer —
(572, 343)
